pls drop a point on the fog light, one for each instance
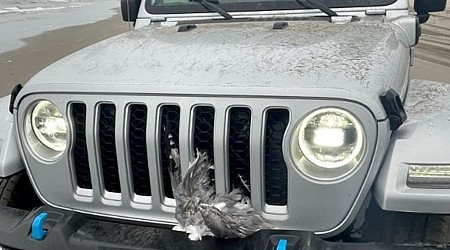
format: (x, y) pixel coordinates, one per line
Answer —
(428, 176)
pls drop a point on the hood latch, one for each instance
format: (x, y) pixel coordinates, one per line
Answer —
(394, 109)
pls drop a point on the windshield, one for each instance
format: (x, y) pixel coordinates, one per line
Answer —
(188, 6)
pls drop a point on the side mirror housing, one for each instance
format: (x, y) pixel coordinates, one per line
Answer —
(130, 9)
(424, 7)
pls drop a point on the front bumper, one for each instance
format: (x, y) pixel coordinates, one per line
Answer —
(71, 230)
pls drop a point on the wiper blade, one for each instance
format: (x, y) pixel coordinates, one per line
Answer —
(212, 5)
(314, 4)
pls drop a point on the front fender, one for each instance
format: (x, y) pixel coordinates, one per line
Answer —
(10, 160)
(423, 140)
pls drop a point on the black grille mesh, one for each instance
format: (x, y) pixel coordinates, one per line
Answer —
(239, 149)
(170, 124)
(275, 170)
(108, 153)
(138, 149)
(204, 132)
(80, 154)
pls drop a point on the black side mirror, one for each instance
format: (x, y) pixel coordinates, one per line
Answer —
(424, 7)
(129, 9)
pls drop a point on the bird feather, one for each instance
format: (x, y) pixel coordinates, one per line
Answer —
(200, 211)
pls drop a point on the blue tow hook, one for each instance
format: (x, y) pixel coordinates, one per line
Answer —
(282, 244)
(37, 227)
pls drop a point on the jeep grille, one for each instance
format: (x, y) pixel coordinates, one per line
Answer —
(203, 135)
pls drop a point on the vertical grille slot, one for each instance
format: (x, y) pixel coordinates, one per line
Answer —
(82, 171)
(239, 148)
(204, 132)
(170, 124)
(275, 170)
(108, 152)
(138, 149)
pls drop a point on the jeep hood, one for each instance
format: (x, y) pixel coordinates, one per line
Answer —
(355, 61)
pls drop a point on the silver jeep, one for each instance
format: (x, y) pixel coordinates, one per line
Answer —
(306, 105)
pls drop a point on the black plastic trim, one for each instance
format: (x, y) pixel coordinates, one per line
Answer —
(239, 125)
(72, 230)
(137, 146)
(424, 7)
(169, 124)
(187, 27)
(80, 152)
(280, 25)
(418, 30)
(129, 10)
(14, 92)
(108, 151)
(275, 168)
(394, 109)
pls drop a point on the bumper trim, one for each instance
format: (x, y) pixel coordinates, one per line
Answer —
(72, 230)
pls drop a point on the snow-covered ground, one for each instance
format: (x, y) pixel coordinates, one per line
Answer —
(20, 19)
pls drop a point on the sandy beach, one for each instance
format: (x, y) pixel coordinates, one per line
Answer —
(432, 55)
(18, 66)
(432, 60)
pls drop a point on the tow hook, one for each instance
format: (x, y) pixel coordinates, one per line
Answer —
(282, 244)
(37, 227)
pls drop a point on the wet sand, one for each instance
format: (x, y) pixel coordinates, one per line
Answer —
(432, 55)
(432, 60)
(18, 66)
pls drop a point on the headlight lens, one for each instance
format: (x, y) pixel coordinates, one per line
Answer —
(328, 144)
(46, 129)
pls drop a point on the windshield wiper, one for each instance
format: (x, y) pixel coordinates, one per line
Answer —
(314, 4)
(212, 5)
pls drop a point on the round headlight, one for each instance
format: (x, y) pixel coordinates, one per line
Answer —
(328, 144)
(46, 129)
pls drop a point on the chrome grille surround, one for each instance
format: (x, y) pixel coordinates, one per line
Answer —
(311, 205)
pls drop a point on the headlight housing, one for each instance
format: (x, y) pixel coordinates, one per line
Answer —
(328, 144)
(46, 129)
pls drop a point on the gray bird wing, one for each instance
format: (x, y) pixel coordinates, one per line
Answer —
(197, 183)
(238, 223)
(231, 199)
(225, 215)
(221, 224)
(191, 190)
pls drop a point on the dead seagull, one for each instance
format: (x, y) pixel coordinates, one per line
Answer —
(200, 211)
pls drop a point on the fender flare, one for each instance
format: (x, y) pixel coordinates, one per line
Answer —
(10, 158)
(422, 140)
